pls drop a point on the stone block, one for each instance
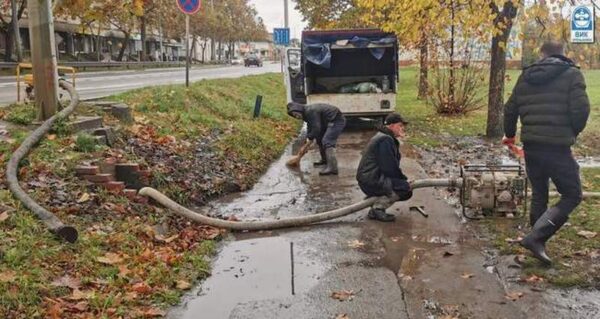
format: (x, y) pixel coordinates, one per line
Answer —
(99, 178)
(115, 187)
(86, 170)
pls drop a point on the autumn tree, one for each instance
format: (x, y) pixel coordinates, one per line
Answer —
(13, 9)
(332, 14)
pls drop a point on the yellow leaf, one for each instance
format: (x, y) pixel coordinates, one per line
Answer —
(110, 259)
(84, 198)
(183, 285)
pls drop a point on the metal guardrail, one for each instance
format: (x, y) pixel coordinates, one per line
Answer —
(83, 65)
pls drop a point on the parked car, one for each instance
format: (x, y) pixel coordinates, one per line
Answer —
(237, 61)
(253, 59)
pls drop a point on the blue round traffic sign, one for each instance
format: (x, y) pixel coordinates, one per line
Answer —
(189, 6)
(582, 18)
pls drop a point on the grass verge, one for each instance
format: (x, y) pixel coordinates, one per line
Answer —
(133, 260)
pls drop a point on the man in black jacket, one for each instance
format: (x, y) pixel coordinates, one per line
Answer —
(325, 123)
(551, 101)
(379, 172)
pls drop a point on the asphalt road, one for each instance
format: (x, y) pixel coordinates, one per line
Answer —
(91, 85)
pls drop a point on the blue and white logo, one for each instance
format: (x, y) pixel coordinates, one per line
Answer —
(582, 24)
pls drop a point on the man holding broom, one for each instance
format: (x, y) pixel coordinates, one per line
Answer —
(325, 123)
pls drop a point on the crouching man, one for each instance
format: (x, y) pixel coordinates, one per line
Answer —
(379, 172)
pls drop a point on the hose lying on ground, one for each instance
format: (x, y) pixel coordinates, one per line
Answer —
(287, 222)
(68, 233)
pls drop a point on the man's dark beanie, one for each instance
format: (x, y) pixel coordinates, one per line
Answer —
(394, 118)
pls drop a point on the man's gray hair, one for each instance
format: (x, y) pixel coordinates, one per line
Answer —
(553, 47)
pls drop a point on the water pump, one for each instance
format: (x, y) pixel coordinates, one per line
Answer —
(493, 189)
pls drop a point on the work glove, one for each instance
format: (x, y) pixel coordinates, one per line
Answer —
(508, 140)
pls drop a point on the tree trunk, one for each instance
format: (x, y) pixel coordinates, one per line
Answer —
(212, 49)
(8, 39)
(423, 68)
(143, 37)
(494, 128)
(193, 50)
(219, 47)
(123, 47)
(204, 50)
(17, 33)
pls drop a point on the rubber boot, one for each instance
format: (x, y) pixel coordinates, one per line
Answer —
(332, 168)
(323, 160)
(546, 226)
(380, 215)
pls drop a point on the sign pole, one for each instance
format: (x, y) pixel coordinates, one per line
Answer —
(187, 50)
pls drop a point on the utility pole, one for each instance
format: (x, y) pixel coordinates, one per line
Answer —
(286, 16)
(286, 24)
(43, 57)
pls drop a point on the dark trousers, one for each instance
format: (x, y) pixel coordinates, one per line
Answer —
(334, 129)
(560, 167)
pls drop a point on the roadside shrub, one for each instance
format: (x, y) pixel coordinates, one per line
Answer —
(455, 90)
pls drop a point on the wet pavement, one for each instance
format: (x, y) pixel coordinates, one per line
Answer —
(414, 268)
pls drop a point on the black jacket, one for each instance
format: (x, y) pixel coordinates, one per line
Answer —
(551, 101)
(316, 117)
(379, 170)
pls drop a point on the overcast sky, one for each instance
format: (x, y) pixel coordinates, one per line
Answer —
(272, 13)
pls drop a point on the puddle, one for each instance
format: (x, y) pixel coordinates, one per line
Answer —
(589, 162)
(249, 270)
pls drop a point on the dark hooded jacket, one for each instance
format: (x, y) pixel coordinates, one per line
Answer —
(551, 101)
(316, 116)
(379, 170)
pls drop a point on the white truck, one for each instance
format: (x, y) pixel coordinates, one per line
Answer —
(355, 70)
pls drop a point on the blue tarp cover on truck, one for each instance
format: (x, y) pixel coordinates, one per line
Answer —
(316, 45)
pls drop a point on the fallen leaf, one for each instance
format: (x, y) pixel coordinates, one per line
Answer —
(162, 239)
(513, 240)
(183, 285)
(153, 312)
(447, 254)
(395, 239)
(343, 295)
(7, 276)
(78, 307)
(587, 234)
(110, 259)
(4, 216)
(342, 316)
(467, 275)
(142, 288)
(404, 277)
(66, 281)
(533, 279)
(123, 271)
(84, 198)
(79, 295)
(51, 137)
(55, 310)
(356, 244)
(514, 296)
